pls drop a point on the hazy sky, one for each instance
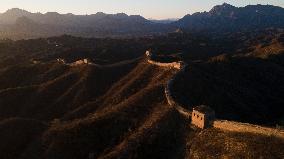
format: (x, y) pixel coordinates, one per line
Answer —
(158, 9)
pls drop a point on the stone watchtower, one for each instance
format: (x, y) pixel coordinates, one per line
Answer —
(148, 53)
(203, 116)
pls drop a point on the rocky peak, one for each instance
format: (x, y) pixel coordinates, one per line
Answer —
(53, 14)
(16, 11)
(11, 15)
(224, 9)
(100, 14)
(121, 15)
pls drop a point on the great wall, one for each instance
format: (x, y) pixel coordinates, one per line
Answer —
(176, 65)
(247, 128)
(85, 62)
(223, 125)
(172, 102)
(76, 63)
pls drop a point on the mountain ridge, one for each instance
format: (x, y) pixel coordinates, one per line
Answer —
(220, 19)
(226, 17)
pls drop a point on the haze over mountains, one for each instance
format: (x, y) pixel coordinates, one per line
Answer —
(229, 18)
(116, 105)
(17, 24)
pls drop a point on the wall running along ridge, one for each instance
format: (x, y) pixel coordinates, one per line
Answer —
(172, 102)
(177, 65)
(219, 124)
(247, 128)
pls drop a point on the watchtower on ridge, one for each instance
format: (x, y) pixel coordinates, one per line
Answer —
(203, 116)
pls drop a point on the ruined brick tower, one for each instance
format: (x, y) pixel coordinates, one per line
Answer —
(203, 116)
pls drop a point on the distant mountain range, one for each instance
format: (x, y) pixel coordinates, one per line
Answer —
(17, 24)
(226, 17)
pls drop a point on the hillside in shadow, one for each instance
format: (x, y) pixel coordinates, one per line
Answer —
(115, 106)
(246, 87)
